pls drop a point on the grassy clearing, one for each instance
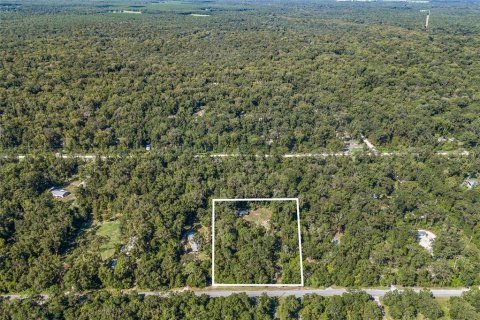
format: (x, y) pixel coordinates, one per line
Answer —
(192, 6)
(163, 6)
(72, 187)
(174, 6)
(260, 217)
(111, 231)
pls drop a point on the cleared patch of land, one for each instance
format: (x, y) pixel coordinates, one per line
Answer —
(200, 112)
(72, 187)
(132, 12)
(425, 239)
(200, 9)
(111, 231)
(260, 216)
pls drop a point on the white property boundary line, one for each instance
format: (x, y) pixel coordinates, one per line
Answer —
(256, 284)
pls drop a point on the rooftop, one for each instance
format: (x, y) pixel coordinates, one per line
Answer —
(242, 212)
(194, 245)
(59, 193)
(425, 239)
(471, 183)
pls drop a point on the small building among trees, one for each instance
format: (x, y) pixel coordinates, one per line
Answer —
(59, 193)
(471, 183)
(425, 238)
(192, 242)
(242, 212)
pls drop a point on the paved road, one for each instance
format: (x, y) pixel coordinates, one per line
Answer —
(22, 296)
(375, 293)
(276, 292)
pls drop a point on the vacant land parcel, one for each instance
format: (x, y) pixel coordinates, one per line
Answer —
(256, 242)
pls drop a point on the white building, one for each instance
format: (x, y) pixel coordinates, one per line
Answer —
(425, 238)
(59, 193)
(194, 245)
(471, 183)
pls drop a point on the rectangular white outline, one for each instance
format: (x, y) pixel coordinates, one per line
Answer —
(256, 284)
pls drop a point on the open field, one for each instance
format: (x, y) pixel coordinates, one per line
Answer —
(260, 216)
(195, 8)
(111, 231)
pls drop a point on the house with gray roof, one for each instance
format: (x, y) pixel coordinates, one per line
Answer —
(242, 212)
(59, 193)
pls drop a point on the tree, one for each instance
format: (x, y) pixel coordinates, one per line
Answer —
(313, 307)
(289, 308)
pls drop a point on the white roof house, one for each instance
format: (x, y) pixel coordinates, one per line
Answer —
(59, 193)
(242, 212)
(194, 245)
(425, 238)
(471, 183)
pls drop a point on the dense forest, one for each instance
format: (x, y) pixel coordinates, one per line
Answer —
(359, 219)
(354, 305)
(413, 305)
(148, 90)
(351, 305)
(257, 242)
(277, 78)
